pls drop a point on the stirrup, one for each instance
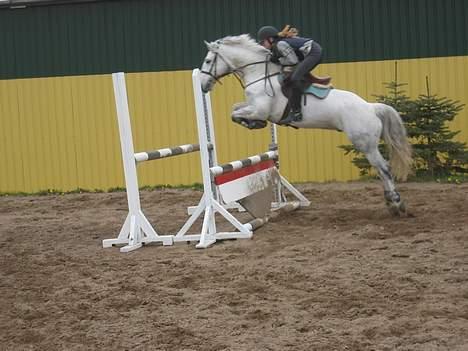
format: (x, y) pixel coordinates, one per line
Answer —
(292, 117)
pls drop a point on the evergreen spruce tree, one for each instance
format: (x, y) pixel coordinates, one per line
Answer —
(426, 120)
(434, 151)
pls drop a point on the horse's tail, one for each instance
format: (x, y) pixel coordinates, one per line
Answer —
(394, 135)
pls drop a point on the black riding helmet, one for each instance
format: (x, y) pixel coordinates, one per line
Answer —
(266, 32)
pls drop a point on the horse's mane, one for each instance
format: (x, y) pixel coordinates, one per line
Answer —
(243, 40)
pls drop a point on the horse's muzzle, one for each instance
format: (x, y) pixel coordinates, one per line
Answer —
(207, 86)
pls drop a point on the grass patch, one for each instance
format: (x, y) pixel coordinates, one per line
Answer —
(447, 179)
(452, 179)
(195, 186)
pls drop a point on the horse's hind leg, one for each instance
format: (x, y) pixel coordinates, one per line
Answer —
(369, 146)
(395, 205)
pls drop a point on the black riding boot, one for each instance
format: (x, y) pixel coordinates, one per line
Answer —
(295, 115)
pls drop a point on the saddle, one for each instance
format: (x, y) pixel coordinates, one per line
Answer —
(310, 85)
(325, 81)
(317, 86)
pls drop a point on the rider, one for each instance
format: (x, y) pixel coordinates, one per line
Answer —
(291, 50)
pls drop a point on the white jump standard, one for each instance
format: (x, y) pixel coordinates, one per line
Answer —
(136, 230)
(211, 202)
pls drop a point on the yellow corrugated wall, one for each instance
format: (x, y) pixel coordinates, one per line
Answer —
(61, 133)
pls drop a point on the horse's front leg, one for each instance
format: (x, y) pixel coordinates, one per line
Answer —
(247, 116)
(239, 105)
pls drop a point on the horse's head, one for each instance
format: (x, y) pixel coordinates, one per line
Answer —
(215, 65)
(228, 55)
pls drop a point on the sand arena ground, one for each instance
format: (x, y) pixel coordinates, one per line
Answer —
(339, 275)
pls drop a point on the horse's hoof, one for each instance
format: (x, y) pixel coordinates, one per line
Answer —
(394, 210)
(250, 124)
(404, 210)
(257, 124)
(397, 209)
(402, 207)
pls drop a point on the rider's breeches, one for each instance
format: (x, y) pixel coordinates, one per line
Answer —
(312, 59)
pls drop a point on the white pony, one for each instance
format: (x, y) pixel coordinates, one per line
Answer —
(364, 123)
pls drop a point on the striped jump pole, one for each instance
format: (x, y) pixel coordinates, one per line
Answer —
(167, 152)
(239, 164)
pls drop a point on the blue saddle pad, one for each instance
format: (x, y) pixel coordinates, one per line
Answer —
(318, 92)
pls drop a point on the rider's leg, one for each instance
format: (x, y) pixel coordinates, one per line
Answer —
(295, 100)
(310, 61)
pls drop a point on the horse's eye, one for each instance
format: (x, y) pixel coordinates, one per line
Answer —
(207, 61)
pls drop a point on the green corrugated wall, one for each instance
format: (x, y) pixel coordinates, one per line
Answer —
(57, 119)
(162, 35)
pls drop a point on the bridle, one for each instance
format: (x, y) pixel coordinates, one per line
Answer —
(238, 72)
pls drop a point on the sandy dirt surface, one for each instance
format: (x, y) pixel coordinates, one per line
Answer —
(339, 275)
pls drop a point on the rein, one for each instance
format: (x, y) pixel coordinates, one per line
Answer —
(238, 73)
(266, 77)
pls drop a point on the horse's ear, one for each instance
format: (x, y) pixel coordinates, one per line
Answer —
(212, 46)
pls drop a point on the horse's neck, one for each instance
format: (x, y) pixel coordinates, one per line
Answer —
(250, 71)
(253, 72)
